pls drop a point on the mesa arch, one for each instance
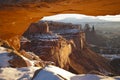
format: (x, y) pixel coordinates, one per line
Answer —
(15, 18)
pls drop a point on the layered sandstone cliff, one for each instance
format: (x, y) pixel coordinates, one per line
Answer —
(48, 46)
(67, 50)
(12, 58)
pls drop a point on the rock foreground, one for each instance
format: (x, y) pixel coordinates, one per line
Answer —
(55, 73)
(49, 72)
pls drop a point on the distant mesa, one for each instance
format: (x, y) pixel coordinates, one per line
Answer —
(84, 19)
(66, 46)
(35, 28)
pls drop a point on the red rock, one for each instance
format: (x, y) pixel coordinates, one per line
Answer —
(37, 28)
(71, 53)
(18, 61)
(14, 42)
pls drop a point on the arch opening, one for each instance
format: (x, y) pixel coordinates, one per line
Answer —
(103, 34)
(68, 26)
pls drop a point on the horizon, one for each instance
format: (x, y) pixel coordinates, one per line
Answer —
(81, 16)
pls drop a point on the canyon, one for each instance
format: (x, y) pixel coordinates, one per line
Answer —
(66, 46)
(29, 42)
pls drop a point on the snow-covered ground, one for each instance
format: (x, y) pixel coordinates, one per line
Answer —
(25, 73)
(93, 77)
(54, 73)
(8, 73)
(4, 58)
(48, 73)
(111, 56)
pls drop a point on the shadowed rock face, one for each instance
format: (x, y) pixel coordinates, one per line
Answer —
(116, 65)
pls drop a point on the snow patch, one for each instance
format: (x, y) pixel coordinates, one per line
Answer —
(53, 73)
(25, 73)
(91, 77)
(111, 56)
(4, 58)
(45, 37)
(48, 73)
(2, 50)
(31, 61)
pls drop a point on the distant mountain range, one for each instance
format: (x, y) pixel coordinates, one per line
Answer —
(85, 19)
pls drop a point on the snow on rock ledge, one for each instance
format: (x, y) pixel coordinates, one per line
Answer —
(92, 77)
(48, 73)
(11, 58)
(25, 73)
(54, 73)
(4, 58)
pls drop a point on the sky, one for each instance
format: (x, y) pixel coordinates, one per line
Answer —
(79, 16)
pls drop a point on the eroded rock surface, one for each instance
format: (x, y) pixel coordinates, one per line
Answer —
(10, 57)
(48, 46)
(67, 47)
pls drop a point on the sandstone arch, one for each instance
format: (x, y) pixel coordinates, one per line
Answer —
(16, 17)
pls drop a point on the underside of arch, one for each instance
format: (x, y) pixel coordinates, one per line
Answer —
(15, 17)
